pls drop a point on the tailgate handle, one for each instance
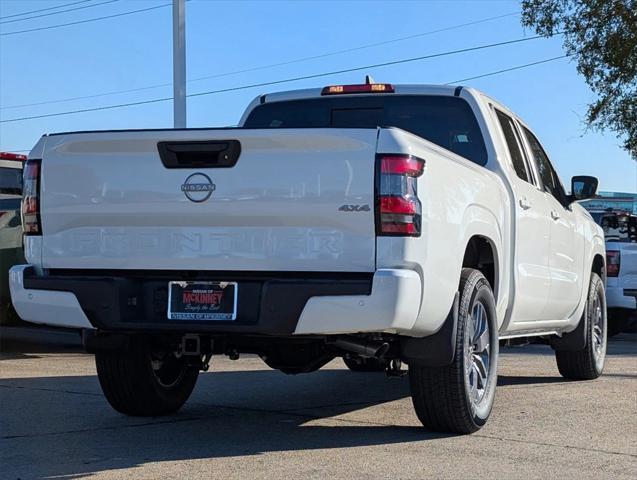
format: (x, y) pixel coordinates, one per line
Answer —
(206, 154)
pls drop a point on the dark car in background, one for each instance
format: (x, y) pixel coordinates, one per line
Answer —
(10, 227)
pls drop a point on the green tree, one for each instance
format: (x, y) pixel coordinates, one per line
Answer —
(601, 35)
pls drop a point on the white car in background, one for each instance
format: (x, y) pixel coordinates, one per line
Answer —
(620, 232)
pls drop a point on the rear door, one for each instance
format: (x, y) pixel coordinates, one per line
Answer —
(532, 275)
(110, 201)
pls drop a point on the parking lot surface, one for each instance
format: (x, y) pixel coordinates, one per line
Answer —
(247, 421)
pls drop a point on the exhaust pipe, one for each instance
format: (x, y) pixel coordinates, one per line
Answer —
(363, 348)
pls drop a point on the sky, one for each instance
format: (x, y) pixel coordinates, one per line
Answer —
(134, 51)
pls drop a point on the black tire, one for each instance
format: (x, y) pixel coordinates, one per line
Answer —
(588, 364)
(362, 364)
(443, 397)
(134, 387)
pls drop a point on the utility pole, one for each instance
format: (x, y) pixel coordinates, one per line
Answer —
(179, 63)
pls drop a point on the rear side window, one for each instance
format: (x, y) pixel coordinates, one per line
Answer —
(446, 121)
(513, 143)
(10, 181)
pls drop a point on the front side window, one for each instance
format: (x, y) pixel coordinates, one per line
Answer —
(546, 171)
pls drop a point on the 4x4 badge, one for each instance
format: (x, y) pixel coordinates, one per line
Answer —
(354, 208)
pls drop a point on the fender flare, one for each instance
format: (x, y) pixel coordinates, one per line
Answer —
(575, 340)
(482, 222)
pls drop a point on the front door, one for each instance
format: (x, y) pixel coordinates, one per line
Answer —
(566, 256)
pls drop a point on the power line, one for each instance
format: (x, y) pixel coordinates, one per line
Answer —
(508, 69)
(276, 82)
(55, 13)
(87, 20)
(263, 67)
(496, 72)
(44, 9)
(353, 49)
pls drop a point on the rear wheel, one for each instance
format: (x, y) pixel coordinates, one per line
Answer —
(143, 381)
(588, 363)
(458, 398)
(362, 364)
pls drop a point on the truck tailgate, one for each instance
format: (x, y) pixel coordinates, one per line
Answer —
(628, 268)
(108, 201)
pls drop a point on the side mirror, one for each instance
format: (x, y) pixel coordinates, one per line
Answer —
(583, 187)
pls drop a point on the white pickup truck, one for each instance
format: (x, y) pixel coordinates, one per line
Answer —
(378, 223)
(620, 231)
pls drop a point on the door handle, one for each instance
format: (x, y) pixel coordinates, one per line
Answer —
(555, 215)
(524, 203)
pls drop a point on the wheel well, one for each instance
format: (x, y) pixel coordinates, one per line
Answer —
(480, 254)
(599, 267)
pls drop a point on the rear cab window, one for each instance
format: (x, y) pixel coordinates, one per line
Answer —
(10, 197)
(10, 180)
(444, 120)
(621, 228)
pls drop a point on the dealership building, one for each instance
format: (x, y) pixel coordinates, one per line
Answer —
(613, 200)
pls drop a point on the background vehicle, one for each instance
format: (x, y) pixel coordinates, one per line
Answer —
(416, 224)
(10, 226)
(620, 231)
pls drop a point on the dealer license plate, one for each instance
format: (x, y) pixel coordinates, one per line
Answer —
(202, 300)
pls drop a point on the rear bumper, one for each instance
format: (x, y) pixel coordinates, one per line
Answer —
(269, 304)
(619, 297)
(56, 308)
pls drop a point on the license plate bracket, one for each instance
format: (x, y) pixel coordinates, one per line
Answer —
(202, 300)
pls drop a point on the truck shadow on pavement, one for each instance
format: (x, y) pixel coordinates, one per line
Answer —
(62, 426)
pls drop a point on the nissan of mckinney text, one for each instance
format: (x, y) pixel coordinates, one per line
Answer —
(389, 225)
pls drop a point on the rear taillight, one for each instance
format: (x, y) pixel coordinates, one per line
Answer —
(613, 262)
(12, 156)
(31, 198)
(397, 205)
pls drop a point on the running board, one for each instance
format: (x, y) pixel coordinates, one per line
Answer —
(528, 333)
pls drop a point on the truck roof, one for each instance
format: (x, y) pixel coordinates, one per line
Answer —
(399, 89)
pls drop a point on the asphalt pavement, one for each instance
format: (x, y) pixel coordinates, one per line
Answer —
(247, 421)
